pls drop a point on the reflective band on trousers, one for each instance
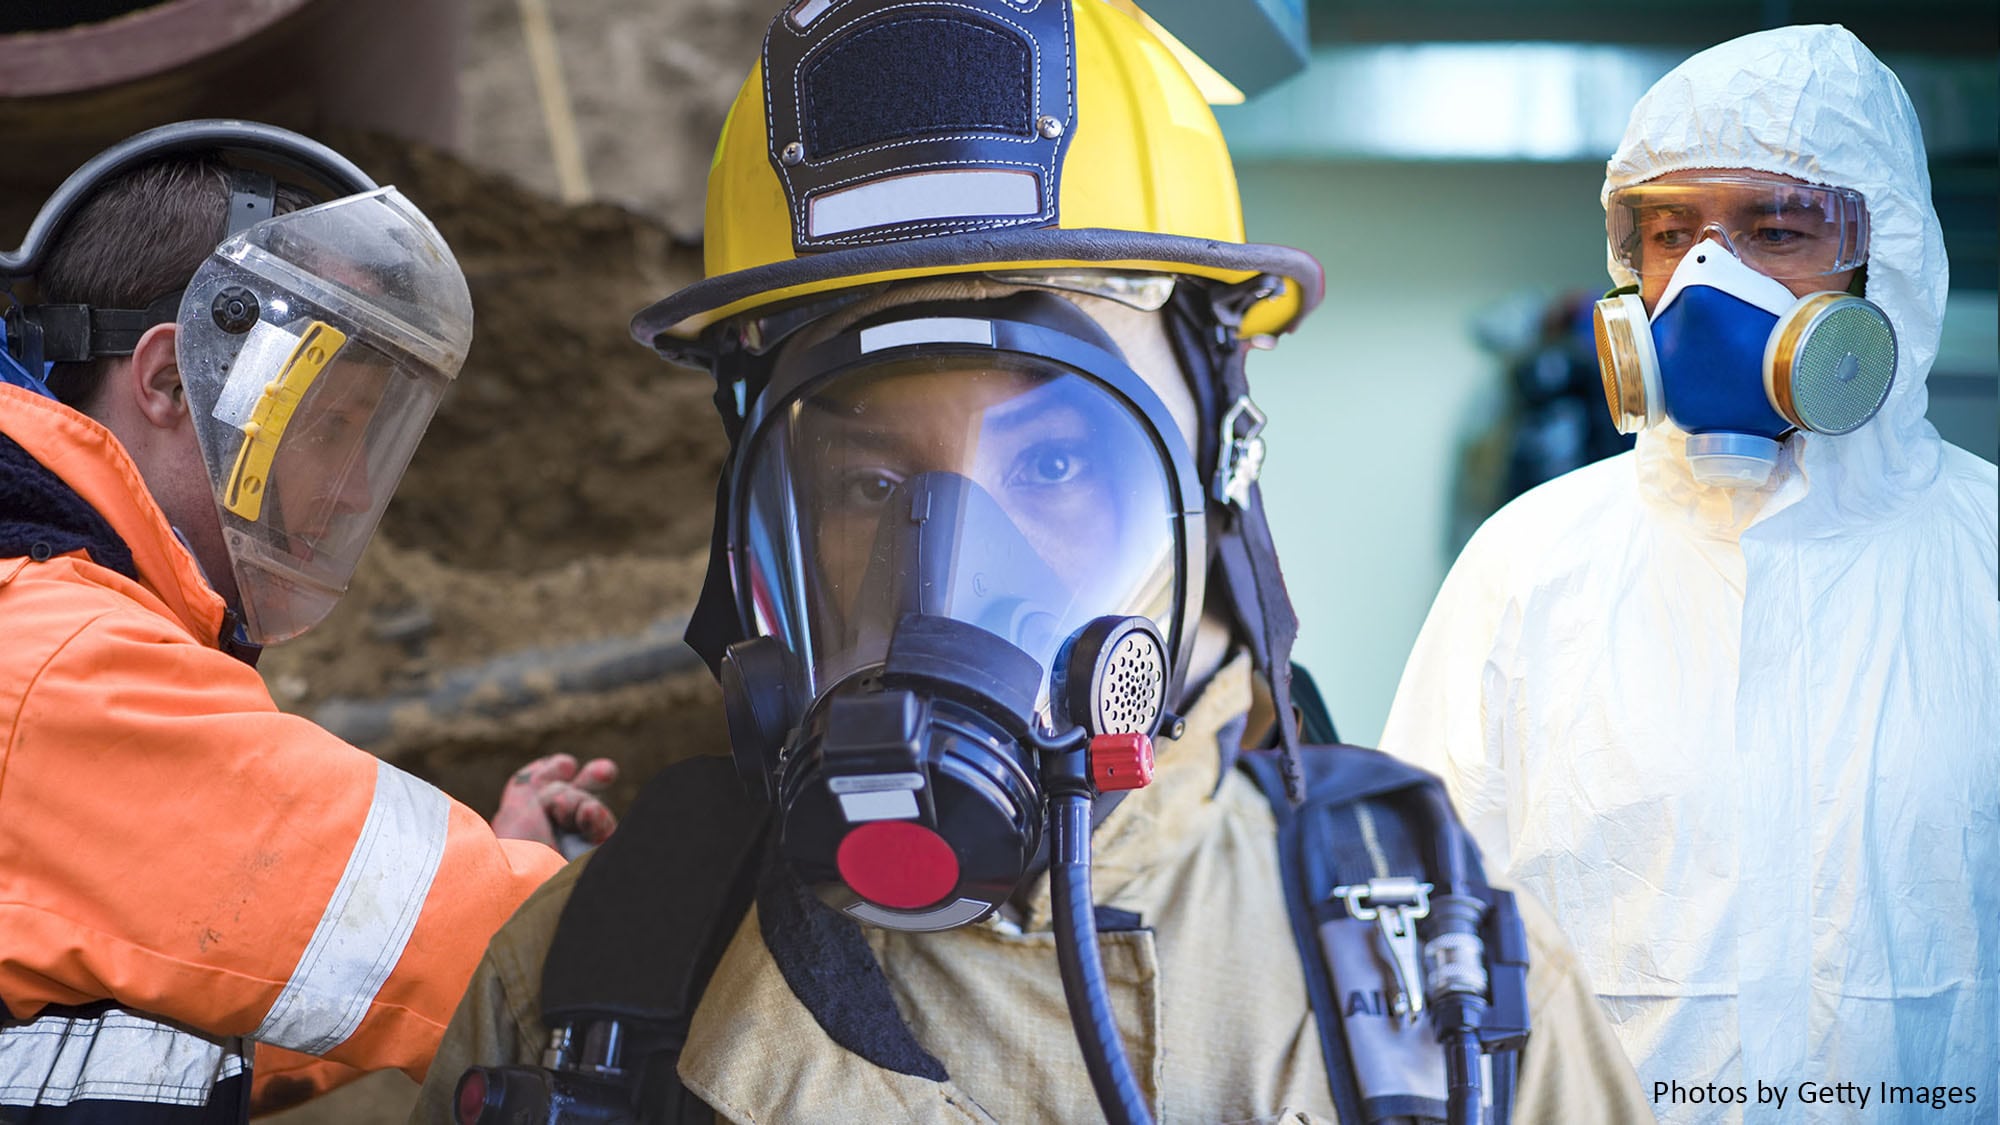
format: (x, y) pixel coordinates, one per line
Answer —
(114, 1055)
(368, 921)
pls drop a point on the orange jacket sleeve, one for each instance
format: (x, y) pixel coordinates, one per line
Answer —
(171, 841)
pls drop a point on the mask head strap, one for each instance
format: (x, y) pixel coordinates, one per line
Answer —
(1239, 529)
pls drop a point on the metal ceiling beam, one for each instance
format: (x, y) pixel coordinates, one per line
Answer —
(1533, 101)
(1919, 26)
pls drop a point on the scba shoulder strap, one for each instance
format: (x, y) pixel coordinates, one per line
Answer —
(641, 934)
(1352, 859)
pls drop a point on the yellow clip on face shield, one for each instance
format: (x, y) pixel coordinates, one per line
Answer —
(244, 495)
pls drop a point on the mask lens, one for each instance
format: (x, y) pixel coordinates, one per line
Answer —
(1780, 229)
(1003, 491)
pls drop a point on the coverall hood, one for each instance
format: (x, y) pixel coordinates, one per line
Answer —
(1815, 103)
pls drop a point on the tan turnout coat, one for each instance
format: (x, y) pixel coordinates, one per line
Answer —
(1210, 997)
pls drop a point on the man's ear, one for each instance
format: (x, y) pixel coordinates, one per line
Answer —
(155, 377)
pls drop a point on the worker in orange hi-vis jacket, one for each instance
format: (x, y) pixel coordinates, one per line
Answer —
(196, 442)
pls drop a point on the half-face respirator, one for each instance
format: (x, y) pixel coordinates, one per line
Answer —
(1738, 362)
(1729, 353)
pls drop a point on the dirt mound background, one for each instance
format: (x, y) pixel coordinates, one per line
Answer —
(563, 494)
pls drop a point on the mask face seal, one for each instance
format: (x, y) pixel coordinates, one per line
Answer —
(935, 520)
(1735, 360)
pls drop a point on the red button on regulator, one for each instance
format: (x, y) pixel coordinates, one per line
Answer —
(470, 1101)
(1121, 761)
(897, 864)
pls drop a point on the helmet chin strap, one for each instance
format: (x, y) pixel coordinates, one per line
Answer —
(1243, 557)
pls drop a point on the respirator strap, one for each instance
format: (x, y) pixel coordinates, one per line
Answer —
(739, 377)
(1249, 557)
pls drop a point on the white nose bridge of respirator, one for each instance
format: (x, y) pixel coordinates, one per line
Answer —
(1714, 264)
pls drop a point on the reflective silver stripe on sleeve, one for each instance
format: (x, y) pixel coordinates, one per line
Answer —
(113, 1055)
(368, 921)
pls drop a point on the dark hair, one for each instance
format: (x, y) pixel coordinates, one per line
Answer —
(139, 238)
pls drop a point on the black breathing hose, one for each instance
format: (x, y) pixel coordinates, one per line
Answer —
(1461, 1054)
(1456, 960)
(1082, 971)
(1504, 1077)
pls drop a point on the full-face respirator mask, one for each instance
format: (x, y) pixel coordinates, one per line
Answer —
(1729, 354)
(965, 543)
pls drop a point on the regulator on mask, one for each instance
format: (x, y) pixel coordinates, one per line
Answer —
(1738, 362)
(965, 543)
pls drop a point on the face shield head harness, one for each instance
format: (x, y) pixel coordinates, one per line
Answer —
(313, 348)
(38, 335)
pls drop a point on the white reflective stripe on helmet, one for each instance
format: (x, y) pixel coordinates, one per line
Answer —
(368, 920)
(114, 1055)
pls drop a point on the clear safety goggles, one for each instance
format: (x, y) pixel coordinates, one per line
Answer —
(1003, 490)
(314, 348)
(1783, 230)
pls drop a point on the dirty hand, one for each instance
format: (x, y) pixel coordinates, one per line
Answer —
(552, 796)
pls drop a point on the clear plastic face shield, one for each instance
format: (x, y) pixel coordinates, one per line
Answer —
(314, 348)
(1006, 490)
(1779, 227)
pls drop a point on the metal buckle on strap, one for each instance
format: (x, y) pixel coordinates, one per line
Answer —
(1241, 457)
(1394, 905)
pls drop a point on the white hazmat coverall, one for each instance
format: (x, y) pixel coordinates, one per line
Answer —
(1747, 743)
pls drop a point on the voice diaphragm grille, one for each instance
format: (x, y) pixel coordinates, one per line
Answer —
(1133, 687)
(1114, 676)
